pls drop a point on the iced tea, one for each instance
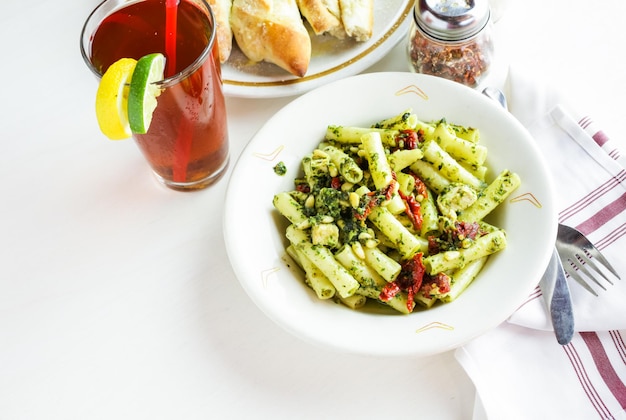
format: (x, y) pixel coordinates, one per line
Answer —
(187, 142)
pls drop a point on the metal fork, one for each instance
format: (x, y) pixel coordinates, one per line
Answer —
(581, 259)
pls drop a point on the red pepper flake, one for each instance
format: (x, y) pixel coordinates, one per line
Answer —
(464, 63)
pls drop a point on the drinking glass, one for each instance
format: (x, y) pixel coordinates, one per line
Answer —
(186, 144)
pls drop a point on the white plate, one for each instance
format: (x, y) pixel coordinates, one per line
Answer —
(254, 231)
(331, 59)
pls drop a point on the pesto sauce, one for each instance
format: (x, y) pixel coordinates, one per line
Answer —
(280, 169)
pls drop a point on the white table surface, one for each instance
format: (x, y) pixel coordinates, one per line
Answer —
(117, 299)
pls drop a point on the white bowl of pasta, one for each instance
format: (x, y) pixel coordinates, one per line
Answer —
(394, 214)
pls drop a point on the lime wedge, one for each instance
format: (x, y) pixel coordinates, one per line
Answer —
(142, 97)
(112, 99)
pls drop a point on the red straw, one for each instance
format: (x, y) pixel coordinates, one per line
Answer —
(171, 9)
(182, 149)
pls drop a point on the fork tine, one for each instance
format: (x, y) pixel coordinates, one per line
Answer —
(572, 272)
(580, 270)
(572, 235)
(595, 253)
(586, 261)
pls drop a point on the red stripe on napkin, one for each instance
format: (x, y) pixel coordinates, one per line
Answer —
(585, 122)
(611, 237)
(606, 369)
(599, 136)
(615, 154)
(585, 382)
(593, 195)
(536, 294)
(618, 340)
(600, 218)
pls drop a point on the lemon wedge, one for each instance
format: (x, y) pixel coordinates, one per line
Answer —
(112, 99)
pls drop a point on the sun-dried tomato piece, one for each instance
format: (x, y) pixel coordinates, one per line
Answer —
(433, 245)
(373, 199)
(387, 192)
(454, 237)
(439, 284)
(389, 291)
(420, 186)
(361, 214)
(409, 280)
(409, 138)
(413, 210)
(466, 230)
(303, 188)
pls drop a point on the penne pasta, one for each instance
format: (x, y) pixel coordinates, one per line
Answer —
(453, 260)
(289, 207)
(401, 159)
(324, 260)
(461, 149)
(385, 266)
(346, 165)
(430, 175)
(430, 216)
(394, 213)
(448, 166)
(460, 279)
(405, 242)
(492, 196)
(379, 167)
(371, 282)
(320, 284)
(353, 135)
(404, 121)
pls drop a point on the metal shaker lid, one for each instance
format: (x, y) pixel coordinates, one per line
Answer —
(451, 20)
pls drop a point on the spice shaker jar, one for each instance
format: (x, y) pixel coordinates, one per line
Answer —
(452, 39)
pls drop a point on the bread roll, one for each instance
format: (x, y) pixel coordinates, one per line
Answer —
(324, 16)
(221, 11)
(272, 31)
(358, 18)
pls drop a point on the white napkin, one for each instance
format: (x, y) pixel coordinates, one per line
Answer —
(525, 374)
(519, 369)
